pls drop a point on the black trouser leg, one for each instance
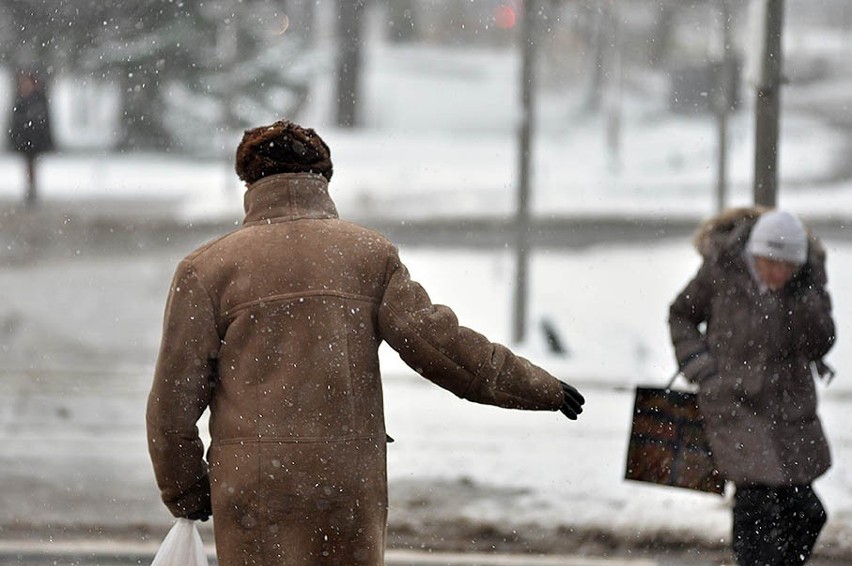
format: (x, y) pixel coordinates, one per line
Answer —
(776, 526)
(755, 535)
(805, 517)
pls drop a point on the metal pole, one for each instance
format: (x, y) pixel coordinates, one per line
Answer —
(525, 134)
(723, 103)
(349, 38)
(227, 47)
(767, 109)
(615, 89)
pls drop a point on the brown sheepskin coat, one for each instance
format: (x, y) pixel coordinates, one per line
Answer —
(752, 361)
(276, 328)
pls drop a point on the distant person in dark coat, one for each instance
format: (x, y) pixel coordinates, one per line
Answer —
(748, 329)
(29, 128)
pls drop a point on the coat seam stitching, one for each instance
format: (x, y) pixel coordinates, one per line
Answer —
(292, 439)
(297, 295)
(405, 321)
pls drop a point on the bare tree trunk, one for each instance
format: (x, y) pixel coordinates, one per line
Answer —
(599, 39)
(349, 27)
(663, 30)
(142, 113)
(402, 20)
(614, 92)
(301, 14)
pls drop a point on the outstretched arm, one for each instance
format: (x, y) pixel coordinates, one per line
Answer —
(429, 338)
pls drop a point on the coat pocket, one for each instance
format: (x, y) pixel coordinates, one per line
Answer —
(797, 396)
(729, 395)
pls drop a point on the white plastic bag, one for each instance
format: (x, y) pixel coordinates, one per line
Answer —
(181, 547)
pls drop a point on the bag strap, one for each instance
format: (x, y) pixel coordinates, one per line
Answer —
(672, 380)
(823, 371)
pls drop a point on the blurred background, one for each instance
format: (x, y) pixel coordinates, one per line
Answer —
(607, 130)
(622, 88)
(186, 76)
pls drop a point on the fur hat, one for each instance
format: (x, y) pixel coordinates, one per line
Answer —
(780, 236)
(282, 147)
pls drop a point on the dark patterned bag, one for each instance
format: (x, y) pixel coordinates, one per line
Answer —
(668, 445)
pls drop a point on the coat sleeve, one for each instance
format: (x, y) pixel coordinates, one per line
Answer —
(689, 310)
(811, 321)
(181, 391)
(429, 338)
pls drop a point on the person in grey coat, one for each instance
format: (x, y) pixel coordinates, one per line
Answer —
(749, 329)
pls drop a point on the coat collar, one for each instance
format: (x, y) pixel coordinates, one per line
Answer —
(288, 196)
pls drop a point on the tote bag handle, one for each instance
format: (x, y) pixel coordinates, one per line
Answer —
(672, 380)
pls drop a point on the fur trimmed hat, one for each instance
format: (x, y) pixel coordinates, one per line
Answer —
(282, 147)
(779, 236)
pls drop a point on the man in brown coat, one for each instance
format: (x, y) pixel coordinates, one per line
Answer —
(276, 328)
(748, 329)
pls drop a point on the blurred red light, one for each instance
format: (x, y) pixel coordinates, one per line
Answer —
(504, 16)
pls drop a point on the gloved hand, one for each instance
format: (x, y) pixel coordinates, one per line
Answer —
(700, 367)
(572, 401)
(200, 515)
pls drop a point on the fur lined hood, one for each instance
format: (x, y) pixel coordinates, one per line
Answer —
(725, 235)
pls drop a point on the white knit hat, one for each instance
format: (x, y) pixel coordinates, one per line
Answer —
(780, 236)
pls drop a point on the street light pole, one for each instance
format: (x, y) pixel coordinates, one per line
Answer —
(723, 106)
(525, 135)
(767, 108)
(350, 15)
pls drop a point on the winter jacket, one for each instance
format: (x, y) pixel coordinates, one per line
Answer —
(276, 328)
(29, 127)
(752, 359)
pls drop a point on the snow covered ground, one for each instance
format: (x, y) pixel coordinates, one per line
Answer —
(81, 335)
(97, 320)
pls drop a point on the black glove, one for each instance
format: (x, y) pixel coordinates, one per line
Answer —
(572, 401)
(200, 515)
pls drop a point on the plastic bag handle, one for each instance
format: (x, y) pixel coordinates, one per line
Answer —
(672, 380)
(182, 546)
